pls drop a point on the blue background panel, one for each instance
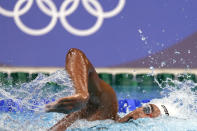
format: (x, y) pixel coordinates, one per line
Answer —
(141, 28)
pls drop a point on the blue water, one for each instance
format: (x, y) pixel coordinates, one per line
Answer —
(180, 100)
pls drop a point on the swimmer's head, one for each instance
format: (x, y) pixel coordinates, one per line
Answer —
(149, 110)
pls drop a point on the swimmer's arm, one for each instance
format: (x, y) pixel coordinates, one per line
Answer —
(126, 118)
(78, 67)
(64, 123)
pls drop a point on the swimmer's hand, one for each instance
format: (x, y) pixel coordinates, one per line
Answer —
(67, 104)
(138, 113)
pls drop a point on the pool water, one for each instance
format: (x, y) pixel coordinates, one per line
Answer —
(28, 112)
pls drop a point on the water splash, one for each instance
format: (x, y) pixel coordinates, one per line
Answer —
(179, 97)
(30, 99)
(143, 38)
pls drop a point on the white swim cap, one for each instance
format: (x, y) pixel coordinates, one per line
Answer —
(163, 109)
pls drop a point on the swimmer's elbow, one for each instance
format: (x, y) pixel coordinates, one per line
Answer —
(82, 97)
(85, 97)
(84, 100)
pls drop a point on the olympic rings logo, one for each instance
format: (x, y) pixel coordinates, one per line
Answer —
(63, 12)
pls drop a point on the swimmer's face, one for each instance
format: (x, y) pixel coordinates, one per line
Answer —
(150, 110)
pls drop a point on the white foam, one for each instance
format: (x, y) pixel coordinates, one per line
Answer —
(180, 100)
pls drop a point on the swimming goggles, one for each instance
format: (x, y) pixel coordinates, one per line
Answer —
(148, 109)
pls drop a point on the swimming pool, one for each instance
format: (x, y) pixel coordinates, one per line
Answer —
(28, 114)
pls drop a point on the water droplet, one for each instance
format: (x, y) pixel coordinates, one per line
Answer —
(177, 52)
(149, 51)
(163, 63)
(143, 38)
(140, 31)
(151, 68)
(173, 61)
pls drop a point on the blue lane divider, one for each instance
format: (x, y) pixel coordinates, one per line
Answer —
(8, 105)
(122, 106)
(130, 104)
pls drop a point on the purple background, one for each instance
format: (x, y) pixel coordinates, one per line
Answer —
(163, 23)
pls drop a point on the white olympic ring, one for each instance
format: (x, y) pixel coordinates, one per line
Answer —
(52, 11)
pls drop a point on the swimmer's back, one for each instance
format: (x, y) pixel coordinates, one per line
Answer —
(109, 101)
(102, 103)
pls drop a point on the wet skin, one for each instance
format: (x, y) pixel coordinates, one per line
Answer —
(94, 99)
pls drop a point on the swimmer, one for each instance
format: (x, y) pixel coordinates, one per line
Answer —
(94, 99)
